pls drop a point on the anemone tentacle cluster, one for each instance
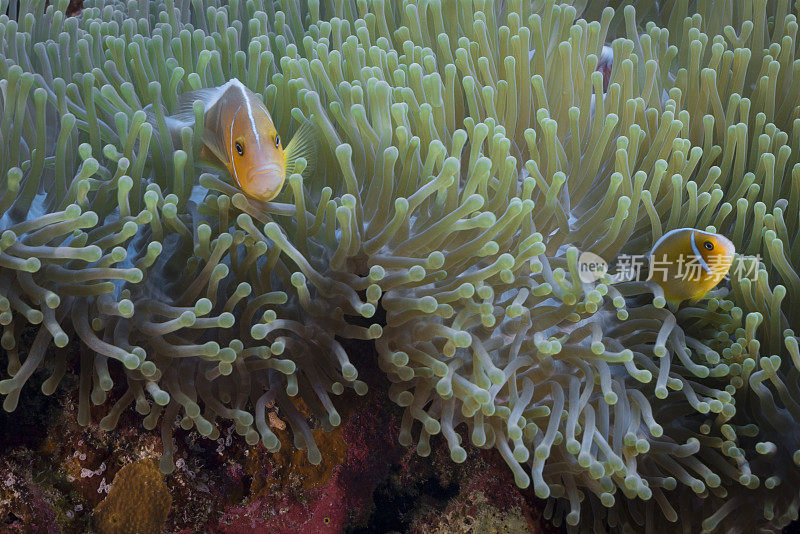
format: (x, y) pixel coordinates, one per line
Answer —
(470, 153)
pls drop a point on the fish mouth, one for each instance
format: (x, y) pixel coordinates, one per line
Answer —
(270, 168)
(266, 183)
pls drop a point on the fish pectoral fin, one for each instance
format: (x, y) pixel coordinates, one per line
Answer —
(213, 144)
(303, 145)
(207, 157)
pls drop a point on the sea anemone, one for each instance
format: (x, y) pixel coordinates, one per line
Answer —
(470, 152)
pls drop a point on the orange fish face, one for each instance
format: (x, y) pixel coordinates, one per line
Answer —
(240, 137)
(716, 250)
(256, 158)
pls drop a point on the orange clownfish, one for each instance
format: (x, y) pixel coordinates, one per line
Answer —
(240, 137)
(688, 263)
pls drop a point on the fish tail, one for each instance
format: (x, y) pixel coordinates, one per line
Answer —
(303, 145)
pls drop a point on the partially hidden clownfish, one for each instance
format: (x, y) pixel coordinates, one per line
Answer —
(240, 138)
(688, 263)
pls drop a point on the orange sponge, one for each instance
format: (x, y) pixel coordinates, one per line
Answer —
(137, 503)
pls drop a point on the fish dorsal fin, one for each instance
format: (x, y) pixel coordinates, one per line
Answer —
(302, 145)
(699, 256)
(185, 109)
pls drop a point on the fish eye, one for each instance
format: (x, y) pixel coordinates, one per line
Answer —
(708, 245)
(277, 140)
(239, 148)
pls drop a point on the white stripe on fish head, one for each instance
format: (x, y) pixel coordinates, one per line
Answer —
(697, 254)
(233, 165)
(249, 108)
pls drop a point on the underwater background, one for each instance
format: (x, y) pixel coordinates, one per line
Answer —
(402, 339)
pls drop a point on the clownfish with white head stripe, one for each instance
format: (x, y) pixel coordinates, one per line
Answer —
(688, 263)
(240, 137)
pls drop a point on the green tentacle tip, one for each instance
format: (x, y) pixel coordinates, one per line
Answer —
(349, 372)
(161, 398)
(462, 339)
(416, 273)
(31, 265)
(277, 347)
(169, 210)
(210, 348)
(203, 307)
(428, 304)
(360, 388)
(432, 426)
(399, 358)
(272, 231)
(298, 280)
(458, 454)
(226, 320)
(435, 260)
(7, 239)
(148, 369)
(131, 361)
(376, 273)
(187, 319)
